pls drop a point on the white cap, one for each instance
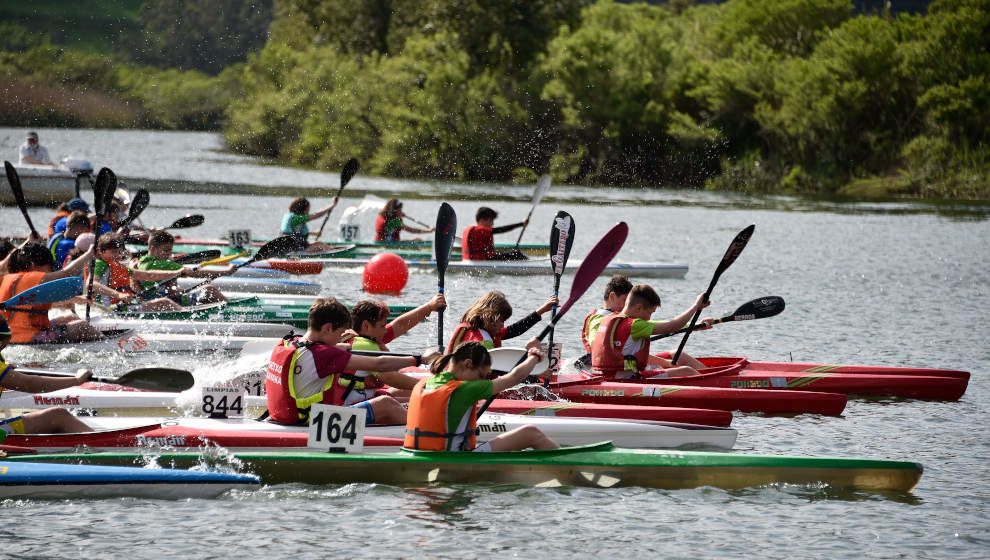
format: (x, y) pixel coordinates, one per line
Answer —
(85, 241)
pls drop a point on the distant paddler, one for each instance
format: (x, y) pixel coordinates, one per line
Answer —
(478, 241)
(391, 220)
(115, 282)
(296, 224)
(159, 257)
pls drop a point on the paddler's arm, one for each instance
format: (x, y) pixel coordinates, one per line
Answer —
(41, 384)
(410, 319)
(534, 354)
(510, 227)
(154, 275)
(75, 267)
(527, 322)
(666, 327)
(399, 380)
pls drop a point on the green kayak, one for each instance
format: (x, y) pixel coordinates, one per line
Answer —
(598, 465)
(343, 249)
(250, 310)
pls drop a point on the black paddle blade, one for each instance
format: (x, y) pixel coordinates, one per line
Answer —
(194, 258)
(157, 379)
(99, 188)
(14, 180)
(347, 173)
(140, 202)
(443, 239)
(760, 308)
(110, 191)
(187, 222)
(561, 240)
(275, 248)
(732, 253)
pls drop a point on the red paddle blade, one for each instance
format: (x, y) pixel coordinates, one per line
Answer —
(592, 266)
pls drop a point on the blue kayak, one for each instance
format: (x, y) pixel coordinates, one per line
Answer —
(55, 481)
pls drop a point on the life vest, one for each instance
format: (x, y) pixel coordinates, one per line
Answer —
(426, 419)
(387, 230)
(51, 224)
(465, 332)
(586, 332)
(365, 379)
(23, 324)
(117, 277)
(613, 346)
(53, 242)
(284, 405)
(477, 243)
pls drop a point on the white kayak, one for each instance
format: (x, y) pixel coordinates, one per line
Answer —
(564, 431)
(199, 328)
(257, 285)
(134, 343)
(54, 481)
(249, 272)
(528, 267)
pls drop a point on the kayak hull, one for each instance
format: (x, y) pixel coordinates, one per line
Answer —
(601, 465)
(43, 480)
(542, 266)
(257, 285)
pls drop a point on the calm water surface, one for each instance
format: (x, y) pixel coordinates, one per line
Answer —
(894, 283)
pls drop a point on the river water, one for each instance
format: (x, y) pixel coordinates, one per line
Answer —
(875, 282)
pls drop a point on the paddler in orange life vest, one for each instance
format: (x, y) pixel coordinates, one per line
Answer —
(372, 332)
(621, 348)
(307, 370)
(49, 421)
(478, 241)
(443, 408)
(114, 282)
(484, 321)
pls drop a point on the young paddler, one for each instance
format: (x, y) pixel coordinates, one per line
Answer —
(49, 421)
(373, 332)
(616, 291)
(478, 241)
(310, 369)
(621, 347)
(443, 408)
(159, 257)
(296, 224)
(484, 321)
(114, 281)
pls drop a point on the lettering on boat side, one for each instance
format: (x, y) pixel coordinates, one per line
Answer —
(163, 441)
(67, 400)
(494, 427)
(603, 392)
(132, 343)
(750, 384)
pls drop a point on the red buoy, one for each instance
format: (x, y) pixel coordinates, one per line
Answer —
(385, 273)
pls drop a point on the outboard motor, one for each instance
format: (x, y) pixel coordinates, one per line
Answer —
(80, 168)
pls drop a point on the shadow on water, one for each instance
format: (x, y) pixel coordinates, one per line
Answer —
(824, 492)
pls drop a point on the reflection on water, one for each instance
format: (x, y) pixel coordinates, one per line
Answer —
(444, 505)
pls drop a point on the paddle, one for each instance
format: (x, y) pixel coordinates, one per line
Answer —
(442, 242)
(106, 183)
(759, 308)
(49, 292)
(274, 248)
(193, 258)
(561, 240)
(140, 202)
(542, 186)
(598, 258)
(346, 174)
(731, 254)
(191, 220)
(151, 378)
(15, 186)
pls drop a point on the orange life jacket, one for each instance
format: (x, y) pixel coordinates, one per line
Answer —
(426, 419)
(23, 324)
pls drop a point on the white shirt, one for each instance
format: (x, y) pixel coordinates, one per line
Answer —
(38, 152)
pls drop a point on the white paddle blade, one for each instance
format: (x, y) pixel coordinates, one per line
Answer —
(504, 359)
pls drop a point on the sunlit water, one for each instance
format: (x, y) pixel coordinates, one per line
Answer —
(894, 283)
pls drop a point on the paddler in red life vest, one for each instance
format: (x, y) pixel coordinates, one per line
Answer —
(621, 348)
(478, 241)
(443, 408)
(49, 421)
(616, 291)
(389, 223)
(484, 321)
(307, 370)
(114, 282)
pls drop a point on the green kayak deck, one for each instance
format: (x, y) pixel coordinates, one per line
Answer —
(597, 465)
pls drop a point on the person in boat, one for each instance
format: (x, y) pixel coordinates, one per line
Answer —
(159, 257)
(114, 282)
(390, 222)
(57, 222)
(478, 241)
(484, 321)
(54, 420)
(616, 291)
(33, 153)
(62, 243)
(372, 331)
(443, 408)
(295, 223)
(621, 347)
(7, 251)
(309, 369)
(31, 265)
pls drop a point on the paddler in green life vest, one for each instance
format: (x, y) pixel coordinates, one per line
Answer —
(159, 257)
(114, 282)
(372, 331)
(49, 421)
(621, 347)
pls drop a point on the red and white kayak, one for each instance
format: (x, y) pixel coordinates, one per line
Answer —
(707, 417)
(811, 368)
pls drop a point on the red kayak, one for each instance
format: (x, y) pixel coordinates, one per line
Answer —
(739, 373)
(702, 416)
(291, 266)
(809, 368)
(583, 387)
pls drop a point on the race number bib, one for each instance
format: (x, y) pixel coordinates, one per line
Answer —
(350, 232)
(555, 356)
(336, 428)
(223, 402)
(239, 237)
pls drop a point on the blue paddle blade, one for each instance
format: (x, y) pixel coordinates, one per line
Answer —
(49, 292)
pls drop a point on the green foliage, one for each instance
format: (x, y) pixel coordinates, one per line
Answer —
(18, 38)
